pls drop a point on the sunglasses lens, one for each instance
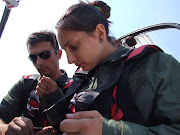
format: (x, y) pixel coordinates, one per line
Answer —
(33, 58)
(45, 55)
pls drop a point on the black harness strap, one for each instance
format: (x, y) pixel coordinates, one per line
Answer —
(78, 79)
(31, 82)
(124, 96)
(89, 97)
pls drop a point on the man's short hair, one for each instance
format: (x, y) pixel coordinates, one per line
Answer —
(41, 36)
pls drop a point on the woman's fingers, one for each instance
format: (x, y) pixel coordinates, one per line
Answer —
(84, 114)
(82, 123)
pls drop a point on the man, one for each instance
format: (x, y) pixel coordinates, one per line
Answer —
(20, 111)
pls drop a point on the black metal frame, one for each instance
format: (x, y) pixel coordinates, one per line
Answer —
(149, 29)
(4, 19)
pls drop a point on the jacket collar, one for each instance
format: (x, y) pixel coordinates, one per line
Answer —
(116, 55)
(62, 80)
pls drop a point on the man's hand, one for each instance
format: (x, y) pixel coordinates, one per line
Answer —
(20, 126)
(45, 86)
(82, 123)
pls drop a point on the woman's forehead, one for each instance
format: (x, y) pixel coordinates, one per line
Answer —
(65, 37)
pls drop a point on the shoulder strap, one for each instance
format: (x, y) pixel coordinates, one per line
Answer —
(124, 98)
(141, 51)
(70, 81)
(77, 80)
(31, 79)
(74, 84)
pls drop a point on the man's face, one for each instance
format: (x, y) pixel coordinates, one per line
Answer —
(47, 67)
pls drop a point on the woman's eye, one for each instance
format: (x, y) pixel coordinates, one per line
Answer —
(74, 47)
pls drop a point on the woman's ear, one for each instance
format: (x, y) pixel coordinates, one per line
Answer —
(59, 53)
(101, 32)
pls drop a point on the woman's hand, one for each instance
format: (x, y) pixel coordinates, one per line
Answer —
(82, 123)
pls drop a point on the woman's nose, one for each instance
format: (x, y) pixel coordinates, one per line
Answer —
(71, 58)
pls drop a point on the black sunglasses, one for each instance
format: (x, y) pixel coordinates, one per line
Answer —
(43, 55)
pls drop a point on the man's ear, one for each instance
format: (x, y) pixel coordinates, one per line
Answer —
(101, 31)
(59, 53)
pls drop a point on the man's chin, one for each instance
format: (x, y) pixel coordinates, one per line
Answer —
(44, 73)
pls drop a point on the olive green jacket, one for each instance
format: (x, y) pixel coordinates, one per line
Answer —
(155, 87)
(14, 104)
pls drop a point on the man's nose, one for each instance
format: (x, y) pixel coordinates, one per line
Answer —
(39, 61)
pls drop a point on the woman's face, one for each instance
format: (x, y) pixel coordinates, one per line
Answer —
(82, 49)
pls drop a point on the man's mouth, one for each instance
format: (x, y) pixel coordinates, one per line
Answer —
(42, 69)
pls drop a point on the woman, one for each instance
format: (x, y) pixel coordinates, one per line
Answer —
(83, 32)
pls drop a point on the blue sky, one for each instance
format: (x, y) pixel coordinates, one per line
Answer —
(129, 15)
(34, 15)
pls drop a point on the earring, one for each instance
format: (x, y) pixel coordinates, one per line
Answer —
(100, 40)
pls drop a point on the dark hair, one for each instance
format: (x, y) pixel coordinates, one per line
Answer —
(85, 17)
(41, 36)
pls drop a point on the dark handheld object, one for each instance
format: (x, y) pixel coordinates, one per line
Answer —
(4, 19)
(9, 5)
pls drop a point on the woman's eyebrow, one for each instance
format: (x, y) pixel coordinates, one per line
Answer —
(66, 44)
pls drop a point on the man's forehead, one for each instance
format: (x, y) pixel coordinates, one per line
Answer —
(39, 47)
